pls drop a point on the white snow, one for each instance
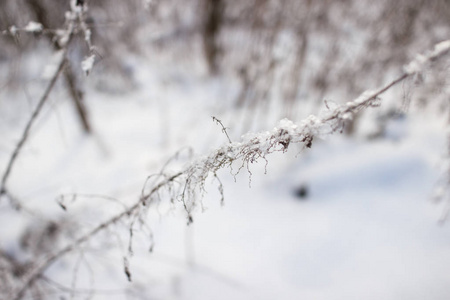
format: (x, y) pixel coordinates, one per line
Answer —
(87, 64)
(33, 27)
(366, 230)
(417, 65)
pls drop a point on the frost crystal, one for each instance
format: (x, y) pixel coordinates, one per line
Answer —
(87, 64)
(33, 27)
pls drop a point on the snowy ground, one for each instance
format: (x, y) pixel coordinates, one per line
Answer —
(366, 230)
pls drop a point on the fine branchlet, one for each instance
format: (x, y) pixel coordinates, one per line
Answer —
(224, 129)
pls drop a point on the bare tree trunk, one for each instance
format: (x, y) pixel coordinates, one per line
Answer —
(213, 15)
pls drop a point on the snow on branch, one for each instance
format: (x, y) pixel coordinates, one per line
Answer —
(254, 147)
(87, 64)
(421, 60)
(186, 185)
(31, 27)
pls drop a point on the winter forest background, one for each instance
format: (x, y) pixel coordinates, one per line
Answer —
(224, 149)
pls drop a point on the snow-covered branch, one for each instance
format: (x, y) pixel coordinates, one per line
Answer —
(254, 147)
(186, 184)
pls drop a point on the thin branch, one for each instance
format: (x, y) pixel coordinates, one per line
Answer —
(30, 123)
(224, 129)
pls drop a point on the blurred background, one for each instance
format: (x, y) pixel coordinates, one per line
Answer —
(361, 215)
